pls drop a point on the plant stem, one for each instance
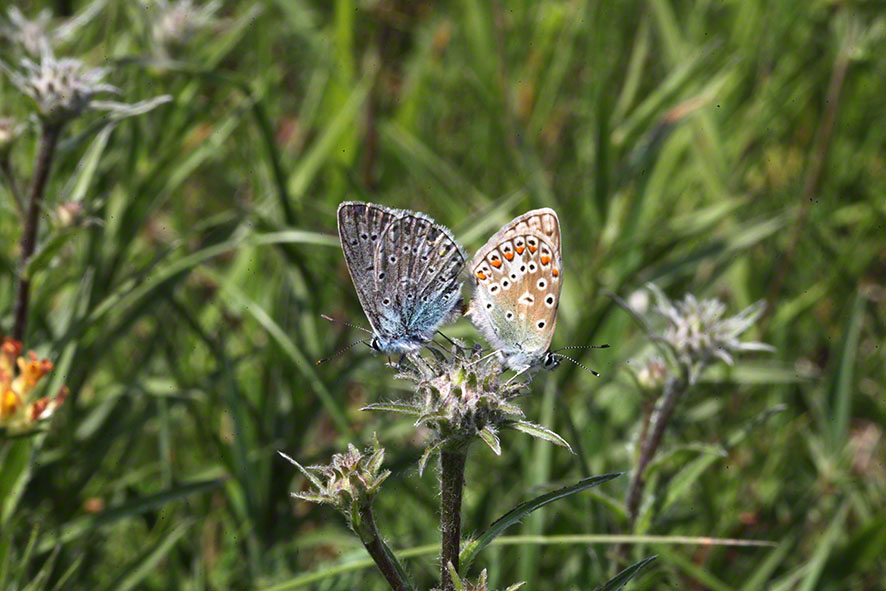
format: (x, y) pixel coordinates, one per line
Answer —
(48, 142)
(379, 552)
(658, 422)
(452, 481)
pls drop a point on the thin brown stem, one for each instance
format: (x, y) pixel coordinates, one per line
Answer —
(673, 391)
(48, 142)
(379, 552)
(452, 481)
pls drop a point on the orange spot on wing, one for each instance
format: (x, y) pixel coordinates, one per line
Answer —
(545, 260)
(496, 263)
(532, 248)
(509, 255)
(481, 275)
(519, 249)
(555, 272)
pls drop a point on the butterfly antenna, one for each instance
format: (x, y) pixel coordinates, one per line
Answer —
(577, 363)
(581, 347)
(340, 351)
(325, 317)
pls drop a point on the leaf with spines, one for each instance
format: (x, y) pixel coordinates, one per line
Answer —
(621, 579)
(429, 451)
(397, 407)
(314, 480)
(537, 431)
(488, 435)
(513, 516)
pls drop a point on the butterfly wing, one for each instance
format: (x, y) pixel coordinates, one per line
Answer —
(417, 264)
(360, 229)
(405, 269)
(517, 277)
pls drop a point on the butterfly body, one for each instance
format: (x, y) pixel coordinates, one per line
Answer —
(405, 269)
(517, 277)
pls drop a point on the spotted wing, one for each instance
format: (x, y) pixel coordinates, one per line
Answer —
(360, 229)
(517, 277)
(417, 265)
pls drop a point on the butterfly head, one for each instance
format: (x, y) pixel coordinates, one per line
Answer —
(550, 360)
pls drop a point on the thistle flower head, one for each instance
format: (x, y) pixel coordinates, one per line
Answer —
(348, 482)
(19, 376)
(699, 331)
(31, 35)
(177, 22)
(61, 88)
(461, 398)
(38, 35)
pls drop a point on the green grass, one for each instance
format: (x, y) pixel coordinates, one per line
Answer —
(730, 149)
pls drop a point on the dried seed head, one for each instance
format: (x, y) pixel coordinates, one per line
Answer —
(348, 482)
(39, 35)
(698, 332)
(64, 88)
(177, 22)
(461, 396)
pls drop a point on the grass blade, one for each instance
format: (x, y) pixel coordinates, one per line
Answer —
(520, 511)
(621, 579)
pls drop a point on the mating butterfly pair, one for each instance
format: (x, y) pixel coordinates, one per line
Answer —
(406, 270)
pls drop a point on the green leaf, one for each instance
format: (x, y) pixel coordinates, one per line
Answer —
(79, 182)
(522, 510)
(15, 470)
(823, 549)
(840, 391)
(538, 431)
(488, 435)
(314, 480)
(456, 580)
(398, 407)
(429, 451)
(41, 259)
(621, 579)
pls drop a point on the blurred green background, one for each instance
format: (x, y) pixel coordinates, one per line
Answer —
(732, 149)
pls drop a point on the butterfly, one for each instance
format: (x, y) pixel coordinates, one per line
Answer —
(405, 268)
(517, 277)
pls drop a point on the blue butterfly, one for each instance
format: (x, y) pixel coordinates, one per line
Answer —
(405, 268)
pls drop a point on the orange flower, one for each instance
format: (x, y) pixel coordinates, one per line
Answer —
(19, 377)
